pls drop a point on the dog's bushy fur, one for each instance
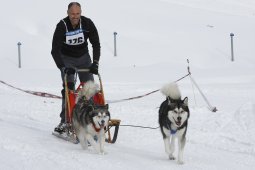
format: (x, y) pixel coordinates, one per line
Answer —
(90, 120)
(173, 120)
(88, 90)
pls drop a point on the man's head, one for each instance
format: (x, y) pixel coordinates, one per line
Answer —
(74, 13)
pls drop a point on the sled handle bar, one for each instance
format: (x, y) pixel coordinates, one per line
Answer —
(88, 70)
(99, 77)
(82, 70)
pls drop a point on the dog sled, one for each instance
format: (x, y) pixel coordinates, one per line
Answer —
(98, 99)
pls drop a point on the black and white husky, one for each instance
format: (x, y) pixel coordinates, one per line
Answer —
(173, 120)
(89, 120)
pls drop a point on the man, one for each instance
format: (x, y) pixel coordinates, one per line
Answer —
(70, 50)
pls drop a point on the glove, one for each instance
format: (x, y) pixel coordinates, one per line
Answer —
(94, 68)
(68, 70)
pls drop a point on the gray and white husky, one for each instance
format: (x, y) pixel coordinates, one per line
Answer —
(90, 120)
(173, 120)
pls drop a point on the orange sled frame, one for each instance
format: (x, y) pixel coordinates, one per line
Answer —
(70, 97)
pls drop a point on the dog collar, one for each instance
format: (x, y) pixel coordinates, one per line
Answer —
(173, 131)
(96, 129)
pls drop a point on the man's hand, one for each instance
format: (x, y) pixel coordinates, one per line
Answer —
(68, 70)
(94, 68)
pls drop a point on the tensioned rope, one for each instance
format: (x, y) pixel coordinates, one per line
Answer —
(137, 97)
(42, 94)
(137, 126)
(48, 95)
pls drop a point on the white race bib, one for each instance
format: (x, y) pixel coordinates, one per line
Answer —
(75, 37)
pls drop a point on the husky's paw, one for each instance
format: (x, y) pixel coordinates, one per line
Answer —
(102, 153)
(171, 157)
(84, 146)
(180, 162)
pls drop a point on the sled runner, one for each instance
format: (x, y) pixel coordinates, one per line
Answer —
(98, 99)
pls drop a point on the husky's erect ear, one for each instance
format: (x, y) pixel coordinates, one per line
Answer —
(185, 101)
(168, 100)
(108, 113)
(106, 106)
(171, 101)
(90, 108)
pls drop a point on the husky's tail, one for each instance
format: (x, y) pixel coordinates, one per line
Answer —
(89, 89)
(171, 90)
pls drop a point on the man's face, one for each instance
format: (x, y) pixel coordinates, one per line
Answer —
(74, 14)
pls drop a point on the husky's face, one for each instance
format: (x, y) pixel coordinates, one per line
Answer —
(178, 111)
(100, 117)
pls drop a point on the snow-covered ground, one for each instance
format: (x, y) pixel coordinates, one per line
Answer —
(154, 40)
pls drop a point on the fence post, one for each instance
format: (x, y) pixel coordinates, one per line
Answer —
(232, 48)
(19, 54)
(115, 48)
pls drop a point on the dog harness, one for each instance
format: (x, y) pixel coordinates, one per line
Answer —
(75, 37)
(172, 132)
(84, 103)
(96, 129)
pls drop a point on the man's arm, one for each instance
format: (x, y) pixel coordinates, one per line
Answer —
(94, 40)
(57, 42)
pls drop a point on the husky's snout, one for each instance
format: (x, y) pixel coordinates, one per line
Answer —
(178, 122)
(102, 122)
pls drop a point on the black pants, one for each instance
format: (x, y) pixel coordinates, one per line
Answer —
(82, 62)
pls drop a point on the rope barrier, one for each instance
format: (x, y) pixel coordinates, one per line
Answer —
(48, 95)
(137, 97)
(41, 94)
(212, 108)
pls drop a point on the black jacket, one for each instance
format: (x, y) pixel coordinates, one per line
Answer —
(60, 47)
